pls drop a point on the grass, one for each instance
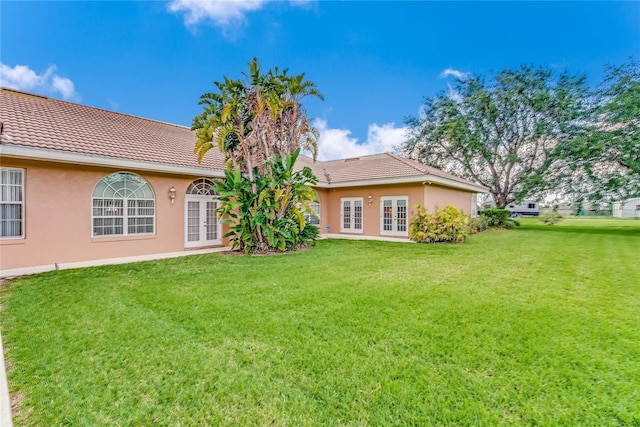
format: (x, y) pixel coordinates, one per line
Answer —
(533, 326)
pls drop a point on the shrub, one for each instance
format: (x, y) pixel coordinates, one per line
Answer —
(267, 214)
(551, 217)
(478, 224)
(445, 225)
(496, 217)
(510, 223)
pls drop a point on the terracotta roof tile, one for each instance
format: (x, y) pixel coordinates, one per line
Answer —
(36, 121)
(383, 166)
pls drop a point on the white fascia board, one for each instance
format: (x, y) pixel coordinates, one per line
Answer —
(34, 153)
(423, 179)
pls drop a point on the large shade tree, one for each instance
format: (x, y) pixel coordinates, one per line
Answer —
(604, 160)
(502, 132)
(260, 125)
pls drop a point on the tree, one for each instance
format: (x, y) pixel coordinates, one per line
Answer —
(260, 125)
(501, 134)
(604, 160)
(254, 120)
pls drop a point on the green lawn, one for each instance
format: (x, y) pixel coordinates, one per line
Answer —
(533, 326)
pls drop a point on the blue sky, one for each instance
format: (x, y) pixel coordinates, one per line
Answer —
(374, 61)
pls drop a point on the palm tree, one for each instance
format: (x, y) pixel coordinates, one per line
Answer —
(254, 120)
(261, 126)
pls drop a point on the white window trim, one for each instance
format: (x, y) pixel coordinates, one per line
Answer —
(125, 214)
(200, 191)
(313, 218)
(21, 203)
(352, 201)
(202, 187)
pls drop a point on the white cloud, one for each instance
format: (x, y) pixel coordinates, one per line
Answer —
(64, 86)
(223, 13)
(455, 73)
(339, 144)
(21, 77)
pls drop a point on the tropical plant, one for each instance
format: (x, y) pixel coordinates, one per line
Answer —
(255, 119)
(261, 127)
(267, 213)
(478, 224)
(445, 225)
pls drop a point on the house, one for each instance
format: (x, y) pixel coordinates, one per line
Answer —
(629, 208)
(81, 185)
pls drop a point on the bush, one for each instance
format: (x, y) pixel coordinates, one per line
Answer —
(267, 214)
(478, 224)
(551, 217)
(510, 223)
(497, 217)
(445, 225)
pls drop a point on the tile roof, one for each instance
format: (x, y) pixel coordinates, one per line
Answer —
(41, 122)
(36, 121)
(382, 166)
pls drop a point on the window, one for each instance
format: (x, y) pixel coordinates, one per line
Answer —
(638, 207)
(531, 206)
(314, 217)
(123, 204)
(11, 203)
(201, 187)
(351, 217)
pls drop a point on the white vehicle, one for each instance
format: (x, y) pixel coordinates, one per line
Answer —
(526, 207)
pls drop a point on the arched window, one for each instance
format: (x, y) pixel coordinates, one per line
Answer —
(314, 217)
(123, 204)
(201, 187)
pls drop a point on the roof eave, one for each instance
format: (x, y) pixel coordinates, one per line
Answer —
(35, 153)
(423, 179)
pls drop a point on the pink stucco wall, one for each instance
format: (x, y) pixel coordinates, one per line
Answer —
(437, 197)
(430, 196)
(58, 214)
(58, 225)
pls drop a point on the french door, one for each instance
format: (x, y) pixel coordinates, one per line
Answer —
(393, 216)
(351, 220)
(202, 227)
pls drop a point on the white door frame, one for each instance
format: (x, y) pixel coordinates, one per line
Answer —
(355, 204)
(396, 221)
(206, 234)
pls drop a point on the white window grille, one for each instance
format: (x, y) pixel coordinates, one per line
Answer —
(202, 187)
(11, 203)
(313, 218)
(394, 215)
(352, 221)
(123, 204)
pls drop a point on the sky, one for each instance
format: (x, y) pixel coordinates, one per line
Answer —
(375, 62)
